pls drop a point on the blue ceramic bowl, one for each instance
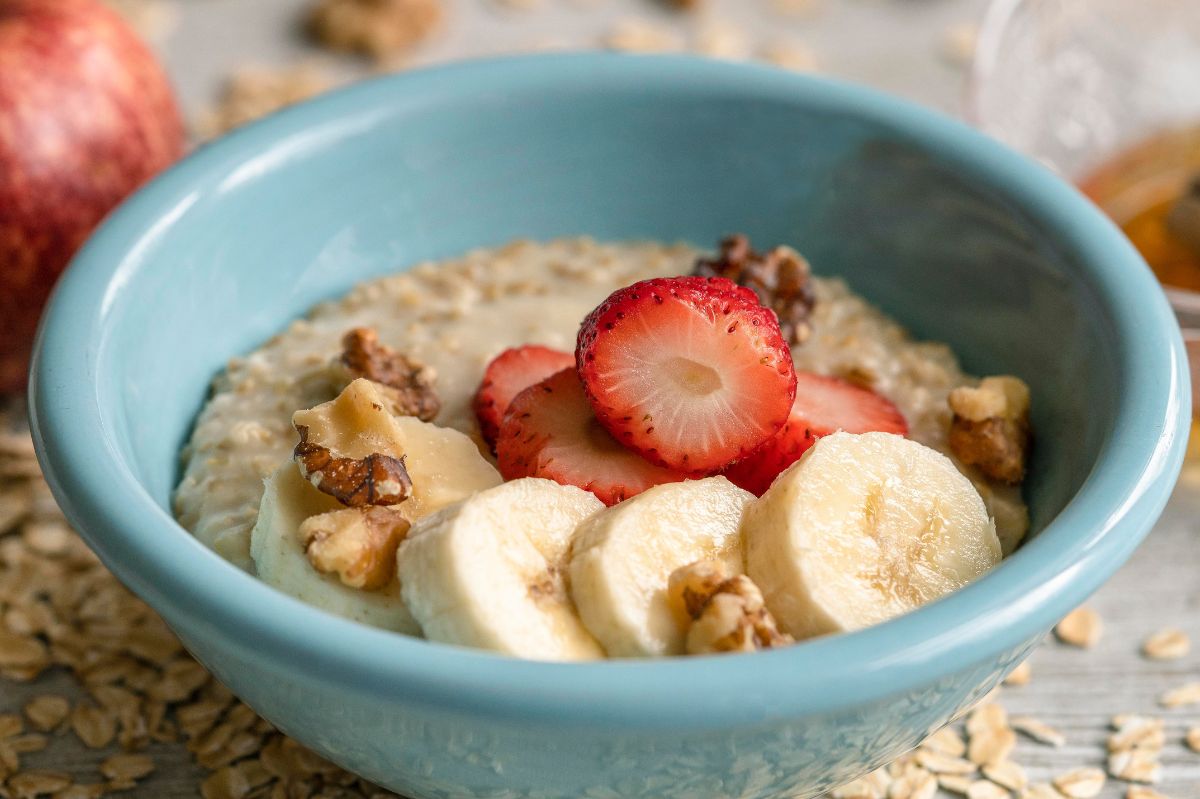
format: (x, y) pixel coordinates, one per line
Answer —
(957, 237)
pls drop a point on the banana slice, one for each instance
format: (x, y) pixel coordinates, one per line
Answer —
(280, 561)
(444, 464)
(623, 557)
(488, 572)
(864, 528)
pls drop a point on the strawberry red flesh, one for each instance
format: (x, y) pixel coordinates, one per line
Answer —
(508, 374)
(692, 373)
(550, 431)
(823, 405)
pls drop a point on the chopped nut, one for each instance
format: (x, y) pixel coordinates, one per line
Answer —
(377, 479)
(409, 384)
(725, 615)
(1080, 783)
(357, 544)
(781, 278)
(1188, 694)
(1038, 731)
(1081, 627)
(1168, 644)
(1136, 765)
(380, 29)
(1193, 739)
(990, 428)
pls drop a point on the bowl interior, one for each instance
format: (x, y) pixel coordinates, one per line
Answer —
(957, 238)
(272, 230)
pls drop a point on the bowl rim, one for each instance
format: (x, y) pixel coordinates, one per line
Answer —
(997, 615)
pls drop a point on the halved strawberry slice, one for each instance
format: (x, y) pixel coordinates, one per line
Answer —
(690, 372)
(508, 374)
(823, 405)
(550, 431)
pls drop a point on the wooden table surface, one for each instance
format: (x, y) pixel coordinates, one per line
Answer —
(894, 44)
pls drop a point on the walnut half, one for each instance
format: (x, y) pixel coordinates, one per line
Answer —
(990, 429)
(724, 614)
(408, 384)
(781, 278)
(357, 544)
(377, 479)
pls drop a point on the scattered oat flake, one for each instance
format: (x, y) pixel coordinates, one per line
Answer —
(1081, 627)
(94, 726)
(127, 767)
(1142, 792)
(253, 92)
(1080, 783)
(944, 764)
(1140, 732)
(790, 55)
(1038, 730)
(914, 784)
(959, 42)
(1020, 675)
(1136, 765)
(642, 36)
(1007, 774)
(955, 783)
(34, 783)
(797, 7)
(1167, 644)
(991, 747)
(873, 786)
(982, 789)
(947, 741)
(1192, 739)
(1188, 694)
(1040, 790)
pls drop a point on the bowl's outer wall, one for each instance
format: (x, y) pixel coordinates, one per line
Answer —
(216, 256)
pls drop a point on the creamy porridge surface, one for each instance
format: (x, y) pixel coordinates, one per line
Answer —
(457, 315)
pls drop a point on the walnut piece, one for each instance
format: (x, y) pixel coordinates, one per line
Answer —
(408, 384)
(357, 544)
(723, 613)
(990, 428)
(781, 278)
(377, 479)
(380, 29)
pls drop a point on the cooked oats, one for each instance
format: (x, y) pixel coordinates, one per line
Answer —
(1081, 627)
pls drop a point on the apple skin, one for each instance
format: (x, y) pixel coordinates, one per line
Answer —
(86, 116)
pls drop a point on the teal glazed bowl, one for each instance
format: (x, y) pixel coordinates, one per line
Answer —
(957, 237)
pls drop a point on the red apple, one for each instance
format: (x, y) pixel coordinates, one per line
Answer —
(86, 116)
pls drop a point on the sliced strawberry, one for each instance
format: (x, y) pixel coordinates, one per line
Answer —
(510, 373)
(690, 372)
(550, 431)
(823, 405)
